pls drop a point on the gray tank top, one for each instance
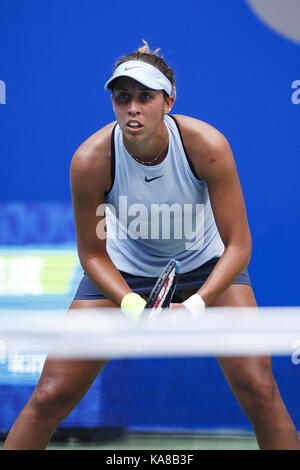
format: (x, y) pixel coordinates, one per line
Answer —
(155, 213)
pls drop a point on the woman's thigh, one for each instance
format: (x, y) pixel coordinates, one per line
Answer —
(252, 372)
(244, 369)
(67, 380)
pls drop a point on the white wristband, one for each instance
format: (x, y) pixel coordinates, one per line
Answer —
(195, 304)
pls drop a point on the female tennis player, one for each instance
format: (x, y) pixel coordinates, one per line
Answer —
(164, 187)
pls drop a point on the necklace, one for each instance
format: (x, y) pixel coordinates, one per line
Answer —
(154, 159)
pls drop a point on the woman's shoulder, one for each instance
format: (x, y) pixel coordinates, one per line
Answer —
(98, 145)
(204, 144)
(199, 133)
(92, 160)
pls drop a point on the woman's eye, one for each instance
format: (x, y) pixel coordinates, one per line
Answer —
(146, 96)
(123, 96)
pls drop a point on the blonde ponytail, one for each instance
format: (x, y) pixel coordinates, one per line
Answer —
(146, 49)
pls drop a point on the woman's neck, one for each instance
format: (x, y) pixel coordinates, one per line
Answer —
(149, 148)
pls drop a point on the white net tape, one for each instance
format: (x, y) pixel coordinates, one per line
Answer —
(96, 334)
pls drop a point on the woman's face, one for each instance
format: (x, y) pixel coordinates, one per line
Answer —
(139, 111)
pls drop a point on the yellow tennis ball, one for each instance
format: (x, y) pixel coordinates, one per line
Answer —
(133, 305)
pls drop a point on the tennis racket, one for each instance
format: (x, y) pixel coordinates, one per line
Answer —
(162, 293)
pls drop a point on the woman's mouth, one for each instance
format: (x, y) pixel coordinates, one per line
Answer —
(134, 125)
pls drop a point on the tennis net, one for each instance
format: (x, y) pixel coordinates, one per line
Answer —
(163, 389)
(108, 333)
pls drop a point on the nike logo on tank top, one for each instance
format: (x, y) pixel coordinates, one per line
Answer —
(154, 213)
(148, 180)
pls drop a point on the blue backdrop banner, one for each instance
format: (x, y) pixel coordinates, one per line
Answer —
(237, 67)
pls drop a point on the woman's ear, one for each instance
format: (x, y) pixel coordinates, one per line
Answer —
(168, 104)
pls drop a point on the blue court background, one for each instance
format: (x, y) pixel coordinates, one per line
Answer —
(232, 72)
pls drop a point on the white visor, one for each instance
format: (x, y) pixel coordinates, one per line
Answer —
(143, 73)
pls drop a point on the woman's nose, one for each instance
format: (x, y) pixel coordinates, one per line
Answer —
(133, 107)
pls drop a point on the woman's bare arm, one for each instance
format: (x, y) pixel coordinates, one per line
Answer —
(213, 162)
(90, 178)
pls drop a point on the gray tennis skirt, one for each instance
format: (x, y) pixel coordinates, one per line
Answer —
(143, 285)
